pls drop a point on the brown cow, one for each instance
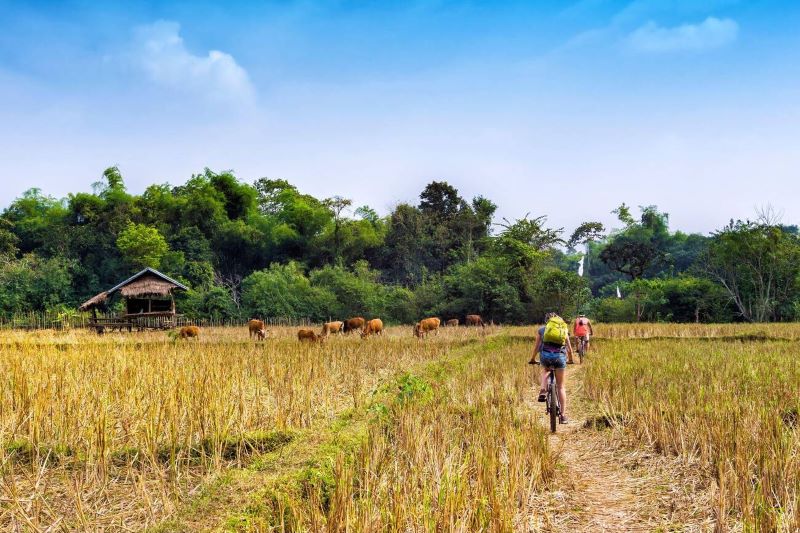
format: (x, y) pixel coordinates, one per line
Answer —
(353, 324)
(373, 327)
(474, 320)
(257, 328)
(453, 322)
(332, 327)
(187, 332)
(425, 326)
(308, 335)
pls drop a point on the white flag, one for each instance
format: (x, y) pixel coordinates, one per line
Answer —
(619, 294)
(580, 266)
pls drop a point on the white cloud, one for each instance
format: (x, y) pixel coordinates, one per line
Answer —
(160, 51)
(711, 33)
(642, 9)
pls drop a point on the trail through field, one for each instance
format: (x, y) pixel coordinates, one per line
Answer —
(604, 485)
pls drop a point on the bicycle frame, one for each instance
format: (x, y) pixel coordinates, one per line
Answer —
(552, 405)
(580, 347)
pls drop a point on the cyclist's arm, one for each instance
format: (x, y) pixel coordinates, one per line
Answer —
(589, 323)
(537, 347)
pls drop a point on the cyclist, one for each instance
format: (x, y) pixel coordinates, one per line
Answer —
(555, 357)
(582, 328)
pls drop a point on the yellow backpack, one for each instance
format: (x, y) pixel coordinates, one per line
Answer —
(556, 331)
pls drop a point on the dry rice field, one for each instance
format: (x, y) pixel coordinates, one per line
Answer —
(674, 428)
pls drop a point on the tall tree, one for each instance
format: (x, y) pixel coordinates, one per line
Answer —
(439, 200)
(337, 205)
(759, 266)
(142, 246)
(405, 253)
(630, 256)
(8, 241)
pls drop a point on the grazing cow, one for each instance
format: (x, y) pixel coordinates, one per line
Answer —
(257, 328)
(373, 327)
(187, 332)
(453, 322)
(354, 324)
(332, 327)
(308, 335)
(425, 326)
(474, 320)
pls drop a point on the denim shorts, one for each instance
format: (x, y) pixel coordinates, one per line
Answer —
(553, 359)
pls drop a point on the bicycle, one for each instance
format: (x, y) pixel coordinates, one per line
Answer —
(580, 342)
(552, 406)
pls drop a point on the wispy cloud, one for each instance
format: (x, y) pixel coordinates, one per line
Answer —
(709, 34)
(638, 10)
(161, 53)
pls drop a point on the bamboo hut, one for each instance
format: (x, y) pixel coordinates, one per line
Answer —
(149, 303)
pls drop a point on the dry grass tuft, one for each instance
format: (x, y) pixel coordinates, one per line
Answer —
(721, 407)
(116, 431)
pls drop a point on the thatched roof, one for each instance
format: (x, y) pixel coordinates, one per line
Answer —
(147, 286)
(147, 283)
(94, 301)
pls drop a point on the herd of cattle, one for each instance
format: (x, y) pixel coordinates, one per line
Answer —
(367, 328)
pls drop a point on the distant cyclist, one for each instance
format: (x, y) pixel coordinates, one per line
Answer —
(582, 328)
(553, 347)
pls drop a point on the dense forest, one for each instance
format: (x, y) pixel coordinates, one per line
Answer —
(268, 249)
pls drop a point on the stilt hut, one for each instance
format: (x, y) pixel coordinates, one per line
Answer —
(149, 303)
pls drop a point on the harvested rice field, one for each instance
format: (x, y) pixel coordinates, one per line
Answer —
(673, 428)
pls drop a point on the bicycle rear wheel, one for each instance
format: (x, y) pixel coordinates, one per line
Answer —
(552, 406)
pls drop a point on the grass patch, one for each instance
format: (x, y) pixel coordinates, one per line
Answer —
(600, 422)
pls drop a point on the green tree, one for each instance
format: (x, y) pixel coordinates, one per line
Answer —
(405, 253)
(239, 199)
(284, 291)
(693, 299)
(298, 220)
(563, 292)
(201, 205)
(8, 241)
(142, 246)
(641, 247)
(33, 283)
(483, 286)
(439, 201)
(623, 213)
(585, 233)
(758, 265)
(337, 205)
(208, 301)
(630, 255)
(356, 292)
(31, 219)
(611, 309)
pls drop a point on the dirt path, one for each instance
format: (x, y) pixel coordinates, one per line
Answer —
(605, 485)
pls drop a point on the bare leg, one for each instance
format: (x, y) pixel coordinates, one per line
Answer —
(561, 378)
(544, 379)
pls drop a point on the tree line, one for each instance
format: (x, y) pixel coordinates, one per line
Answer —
(267, 249)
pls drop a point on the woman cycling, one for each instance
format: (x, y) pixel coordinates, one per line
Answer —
(555, 357)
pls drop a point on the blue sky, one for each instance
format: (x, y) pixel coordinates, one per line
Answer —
(693, 105)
